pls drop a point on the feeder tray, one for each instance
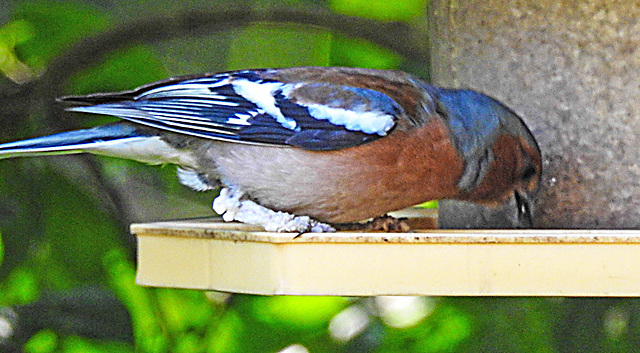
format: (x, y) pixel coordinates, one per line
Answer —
(210, 254)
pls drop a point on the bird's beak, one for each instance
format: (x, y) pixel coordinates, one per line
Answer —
(516, 212)
(524, 209)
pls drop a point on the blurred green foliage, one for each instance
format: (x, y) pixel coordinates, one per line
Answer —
(61, 232)
(266, 46)
(11, 35)
(381, 9)
(55, 25)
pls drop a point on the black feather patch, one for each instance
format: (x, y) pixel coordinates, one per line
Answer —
(328, 140)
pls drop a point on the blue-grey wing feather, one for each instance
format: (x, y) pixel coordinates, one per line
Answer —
(242, 107)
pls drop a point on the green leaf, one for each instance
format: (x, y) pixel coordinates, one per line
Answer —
(270, 46)
(187, 342)
(428, 204)
(225, 335)
(55, 24)
(451, 328)
(387, 10)
(20, 287)
(12, 34)
(444, 330)
(44, 341)
(184, 310)
(298, 312)
(147, 326)
(359, 53)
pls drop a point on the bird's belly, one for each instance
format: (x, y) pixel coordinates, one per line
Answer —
(337, 186)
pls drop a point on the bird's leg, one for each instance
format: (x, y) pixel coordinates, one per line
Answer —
(232, 207)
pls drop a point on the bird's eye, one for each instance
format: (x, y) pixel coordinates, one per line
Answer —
(528, 173)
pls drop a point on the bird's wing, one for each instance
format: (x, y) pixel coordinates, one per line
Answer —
(254, 106)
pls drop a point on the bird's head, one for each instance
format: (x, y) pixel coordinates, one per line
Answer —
(503, 163)
(527, 168)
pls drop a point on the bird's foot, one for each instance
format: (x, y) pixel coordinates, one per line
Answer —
(232, 207)
(384, 223)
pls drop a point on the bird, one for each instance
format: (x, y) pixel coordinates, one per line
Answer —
(303, 149)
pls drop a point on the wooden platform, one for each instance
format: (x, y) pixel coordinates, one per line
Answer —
(212, 255)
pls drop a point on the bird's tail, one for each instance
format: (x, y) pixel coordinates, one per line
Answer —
(112, 140)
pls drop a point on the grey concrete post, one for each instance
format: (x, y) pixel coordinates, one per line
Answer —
(571, 69)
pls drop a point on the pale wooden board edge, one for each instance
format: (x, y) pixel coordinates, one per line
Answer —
(235, 258)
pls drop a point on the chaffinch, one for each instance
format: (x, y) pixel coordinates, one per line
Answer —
(297, 148)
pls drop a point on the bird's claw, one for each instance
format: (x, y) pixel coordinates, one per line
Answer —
(384, 223)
